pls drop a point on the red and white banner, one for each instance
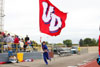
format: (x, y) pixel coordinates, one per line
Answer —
(52, 20)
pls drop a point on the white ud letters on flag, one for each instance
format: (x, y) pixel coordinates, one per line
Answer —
(51, 19)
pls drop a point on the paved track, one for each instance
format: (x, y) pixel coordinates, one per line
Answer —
(91, 64)
(73, 60)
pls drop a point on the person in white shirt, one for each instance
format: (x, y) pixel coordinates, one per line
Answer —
(21, 44)
(9, 40)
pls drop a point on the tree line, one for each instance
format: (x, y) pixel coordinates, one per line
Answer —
(82, 42)
(68, 42)
(88, 42)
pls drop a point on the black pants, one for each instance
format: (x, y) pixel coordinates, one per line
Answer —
(25, 47)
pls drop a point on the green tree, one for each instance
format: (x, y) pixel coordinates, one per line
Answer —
(50, 44)
(68, 42)
(87, 42)
(81, 42)
(46, 43)
(59, 44)
(93, 42)
(90, 42)
(35, 43)
(97, 43)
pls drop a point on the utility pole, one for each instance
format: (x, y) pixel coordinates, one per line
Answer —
(1, 14)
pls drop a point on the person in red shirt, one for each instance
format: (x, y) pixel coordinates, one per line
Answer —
(16, 40)
(16, 43)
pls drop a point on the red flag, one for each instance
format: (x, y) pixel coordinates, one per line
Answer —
(52, 20)
(99, 45)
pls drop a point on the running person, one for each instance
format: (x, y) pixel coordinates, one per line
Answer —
(45, 53)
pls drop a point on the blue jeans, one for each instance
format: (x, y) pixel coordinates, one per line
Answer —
(45, 57)
(14, 46)
(0, 48)
(10, 53)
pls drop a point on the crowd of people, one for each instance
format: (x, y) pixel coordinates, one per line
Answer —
(14, 43)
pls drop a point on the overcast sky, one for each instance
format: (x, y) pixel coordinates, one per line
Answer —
(83, 20)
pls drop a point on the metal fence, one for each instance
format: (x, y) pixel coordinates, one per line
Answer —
(15, 47)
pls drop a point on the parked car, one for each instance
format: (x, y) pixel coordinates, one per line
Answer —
(62, 51)
(74, 50)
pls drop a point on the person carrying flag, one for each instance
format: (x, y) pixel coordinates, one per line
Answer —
(98, 59)
(45, 53)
